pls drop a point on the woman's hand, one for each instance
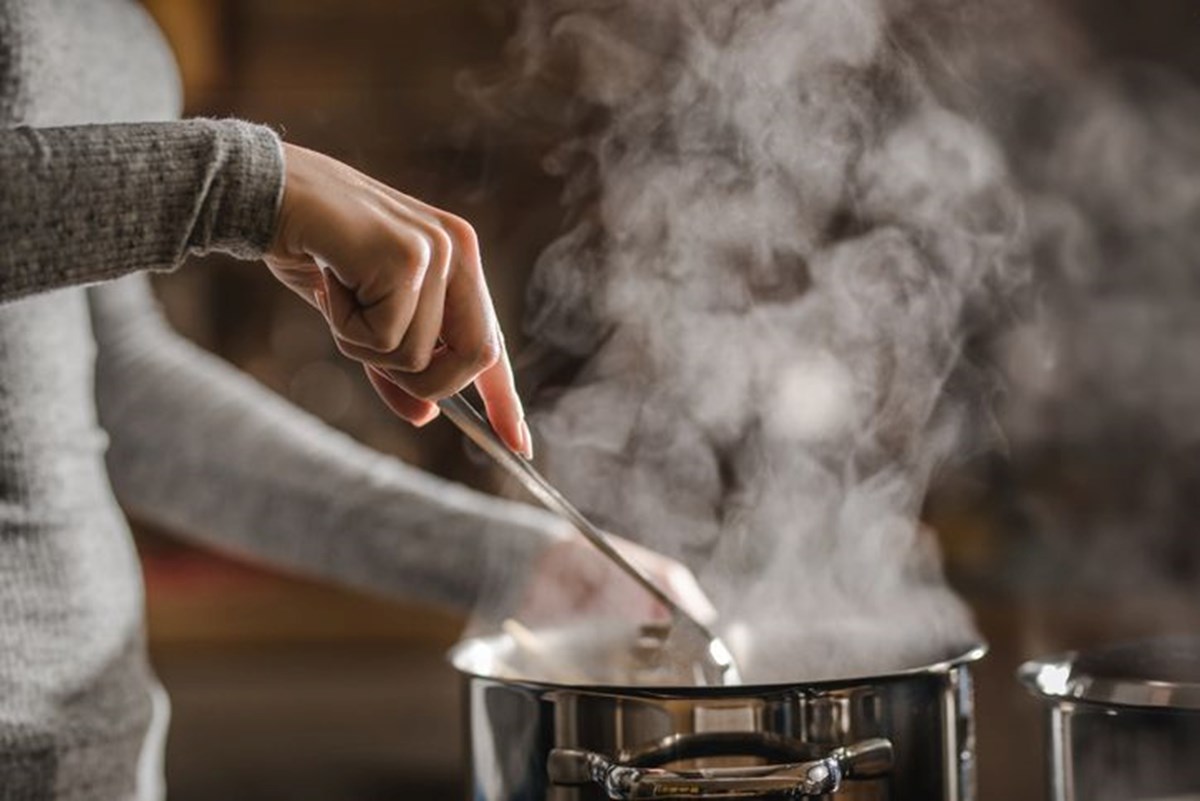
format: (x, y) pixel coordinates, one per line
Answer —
(401, 285)
(572, 580)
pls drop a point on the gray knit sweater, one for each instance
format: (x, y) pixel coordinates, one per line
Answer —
(100, 401)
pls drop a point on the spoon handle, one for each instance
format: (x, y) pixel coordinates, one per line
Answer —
(463, 414)
(714, 660)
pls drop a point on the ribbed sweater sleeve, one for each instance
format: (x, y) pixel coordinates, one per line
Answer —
(83, 204)
(203, 450)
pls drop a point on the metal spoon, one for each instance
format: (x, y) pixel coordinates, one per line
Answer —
(711, 659)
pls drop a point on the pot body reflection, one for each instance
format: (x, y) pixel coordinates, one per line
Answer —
(527, 740)
(1105, 753)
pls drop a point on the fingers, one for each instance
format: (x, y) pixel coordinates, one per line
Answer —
(462, 359)
(499, 392)
(401, 285)
(454, 309)
(470, 334)
(372, 304)
(420, 340)
(414, 410)
(452, 340)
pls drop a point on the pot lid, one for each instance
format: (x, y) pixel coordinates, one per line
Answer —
(1163, 673)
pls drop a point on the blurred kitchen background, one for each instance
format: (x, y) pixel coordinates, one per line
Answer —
(287, 690)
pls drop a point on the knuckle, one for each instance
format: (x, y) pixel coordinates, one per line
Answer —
(388, 340)
(382, 330)
(461, 230)
(485, 353)
(382, 241)
(412, 360)
(396, 258)
(408, 252)
(414, 261)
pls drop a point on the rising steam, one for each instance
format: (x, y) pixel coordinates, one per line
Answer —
(1101, 380)
(778, 235)
(799, 234)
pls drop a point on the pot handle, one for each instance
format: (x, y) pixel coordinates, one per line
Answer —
(862, 760)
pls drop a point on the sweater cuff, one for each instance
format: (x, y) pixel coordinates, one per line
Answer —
(246, 192)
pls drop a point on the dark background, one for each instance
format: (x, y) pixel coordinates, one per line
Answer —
(286, 690)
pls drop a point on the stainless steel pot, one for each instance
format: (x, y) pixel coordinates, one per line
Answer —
(906, 735)
(1124, 721)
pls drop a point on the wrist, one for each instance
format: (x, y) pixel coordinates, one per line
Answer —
(241, 210)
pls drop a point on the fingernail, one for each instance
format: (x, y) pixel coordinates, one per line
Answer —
(322, 301)
(526, 440)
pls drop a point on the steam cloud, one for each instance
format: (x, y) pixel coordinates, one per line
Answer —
(1102, 383)
(792, 226)
(779, 232)
(1104, 372)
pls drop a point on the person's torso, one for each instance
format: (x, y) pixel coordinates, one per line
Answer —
(74, 688)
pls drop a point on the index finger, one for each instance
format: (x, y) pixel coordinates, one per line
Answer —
(469, 332)
(499, 392)
(494, 382)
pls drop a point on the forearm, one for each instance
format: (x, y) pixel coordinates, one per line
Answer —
(84, 204)
(212, 455)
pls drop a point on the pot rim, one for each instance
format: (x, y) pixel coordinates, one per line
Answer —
(460, 657)
(1068, 678)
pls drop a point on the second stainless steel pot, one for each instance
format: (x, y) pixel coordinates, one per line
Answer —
(1123, 721)
(905, 735)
